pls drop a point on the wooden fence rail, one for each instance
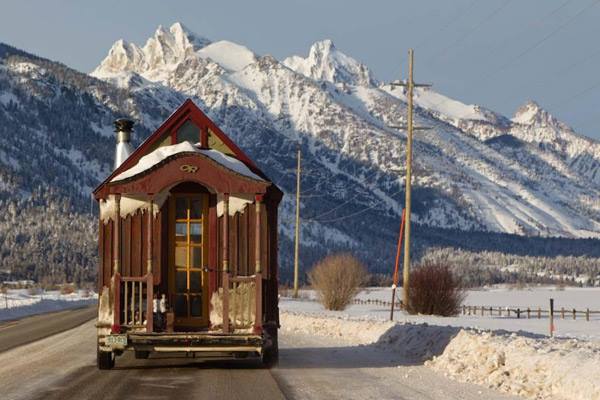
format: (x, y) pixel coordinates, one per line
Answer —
(527, 312)
(498, 311)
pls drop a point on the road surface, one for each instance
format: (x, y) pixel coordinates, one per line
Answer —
(62, 366)
(30, 329)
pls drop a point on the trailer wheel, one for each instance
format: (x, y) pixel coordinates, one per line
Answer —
(142, 355)
(270, 354)
(106, 360)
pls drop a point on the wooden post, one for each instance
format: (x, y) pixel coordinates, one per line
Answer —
(518, 313)
(574, 313)
(491, 309)
(297, 227)
(482, 313)
(587, 314)
(551, 317)
(149, 267)
(149, 241)
(258, 267)
(116, 328)
(539, 312)
(149, 300)
(117, 235)
(226, 262)
(562, 313)
(408, 181)
(528, 313)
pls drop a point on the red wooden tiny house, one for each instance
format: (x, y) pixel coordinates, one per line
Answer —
(196, 218)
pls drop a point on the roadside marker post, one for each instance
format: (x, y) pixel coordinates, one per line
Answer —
(551, 317)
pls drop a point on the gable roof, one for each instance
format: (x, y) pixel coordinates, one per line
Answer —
(188, 110)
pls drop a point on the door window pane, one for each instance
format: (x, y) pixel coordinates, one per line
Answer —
(181, 281)
(181, 306)
(195, 281)
(180, 208)
(181, 256)
(196, 209)
(196, 233)
(181, 232)
(196, 257)
(196, 306)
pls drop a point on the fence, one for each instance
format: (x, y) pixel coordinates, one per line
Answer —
(528, 312)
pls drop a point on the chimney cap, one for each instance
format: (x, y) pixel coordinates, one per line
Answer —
(123, 125)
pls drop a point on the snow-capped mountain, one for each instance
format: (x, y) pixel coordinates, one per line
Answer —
(326, 63)
(483, 171)
(478, 175)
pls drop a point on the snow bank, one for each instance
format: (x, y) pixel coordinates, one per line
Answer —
(18, 304)
(534, 366)
(539, 368)
(353, 331)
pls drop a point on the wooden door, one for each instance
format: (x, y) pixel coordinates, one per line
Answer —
(188, 276)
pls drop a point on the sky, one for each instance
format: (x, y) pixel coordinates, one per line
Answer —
(496, 53)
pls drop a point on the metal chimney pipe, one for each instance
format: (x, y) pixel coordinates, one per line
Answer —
(123, 128)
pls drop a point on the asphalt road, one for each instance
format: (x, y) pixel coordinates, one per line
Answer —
(29, 329)
(63, 366)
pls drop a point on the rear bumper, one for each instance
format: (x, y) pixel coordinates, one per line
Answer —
(193, 342)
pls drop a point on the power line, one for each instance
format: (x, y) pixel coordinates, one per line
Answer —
(353, 214)
(363, 181)
(542, 40)
(488, 17)
(449, 22)
(542, 18)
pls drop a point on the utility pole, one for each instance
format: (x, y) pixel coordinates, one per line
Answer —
(410, 85)
(297, 236)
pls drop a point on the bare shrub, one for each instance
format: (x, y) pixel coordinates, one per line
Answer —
(337, 279)
(434, 290)
(67, 289)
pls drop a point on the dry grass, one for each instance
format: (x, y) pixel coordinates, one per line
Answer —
(67, 289)
(337, 279)
(434, 290)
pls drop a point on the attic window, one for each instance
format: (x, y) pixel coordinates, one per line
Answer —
(188, 132)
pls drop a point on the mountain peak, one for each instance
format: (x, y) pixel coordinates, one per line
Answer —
(165, 47)
(326, 63)
(531, 113)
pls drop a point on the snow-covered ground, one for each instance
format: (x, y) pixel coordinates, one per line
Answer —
(569, 298)
(19, 303)
(508, 354)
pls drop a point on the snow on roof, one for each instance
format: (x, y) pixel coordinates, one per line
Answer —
(164, 152)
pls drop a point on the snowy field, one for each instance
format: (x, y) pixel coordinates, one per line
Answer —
(19, 303)
(569, 298)
(503, 353)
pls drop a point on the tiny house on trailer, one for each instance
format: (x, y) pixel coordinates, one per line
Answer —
(187, 245)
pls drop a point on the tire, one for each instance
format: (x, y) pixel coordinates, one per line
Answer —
(270, 354)
(142, 355)
(106, 360)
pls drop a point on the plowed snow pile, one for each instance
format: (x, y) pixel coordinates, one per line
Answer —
(533, 367)
(536, 368)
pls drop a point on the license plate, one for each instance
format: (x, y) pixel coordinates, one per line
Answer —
(116, 340)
